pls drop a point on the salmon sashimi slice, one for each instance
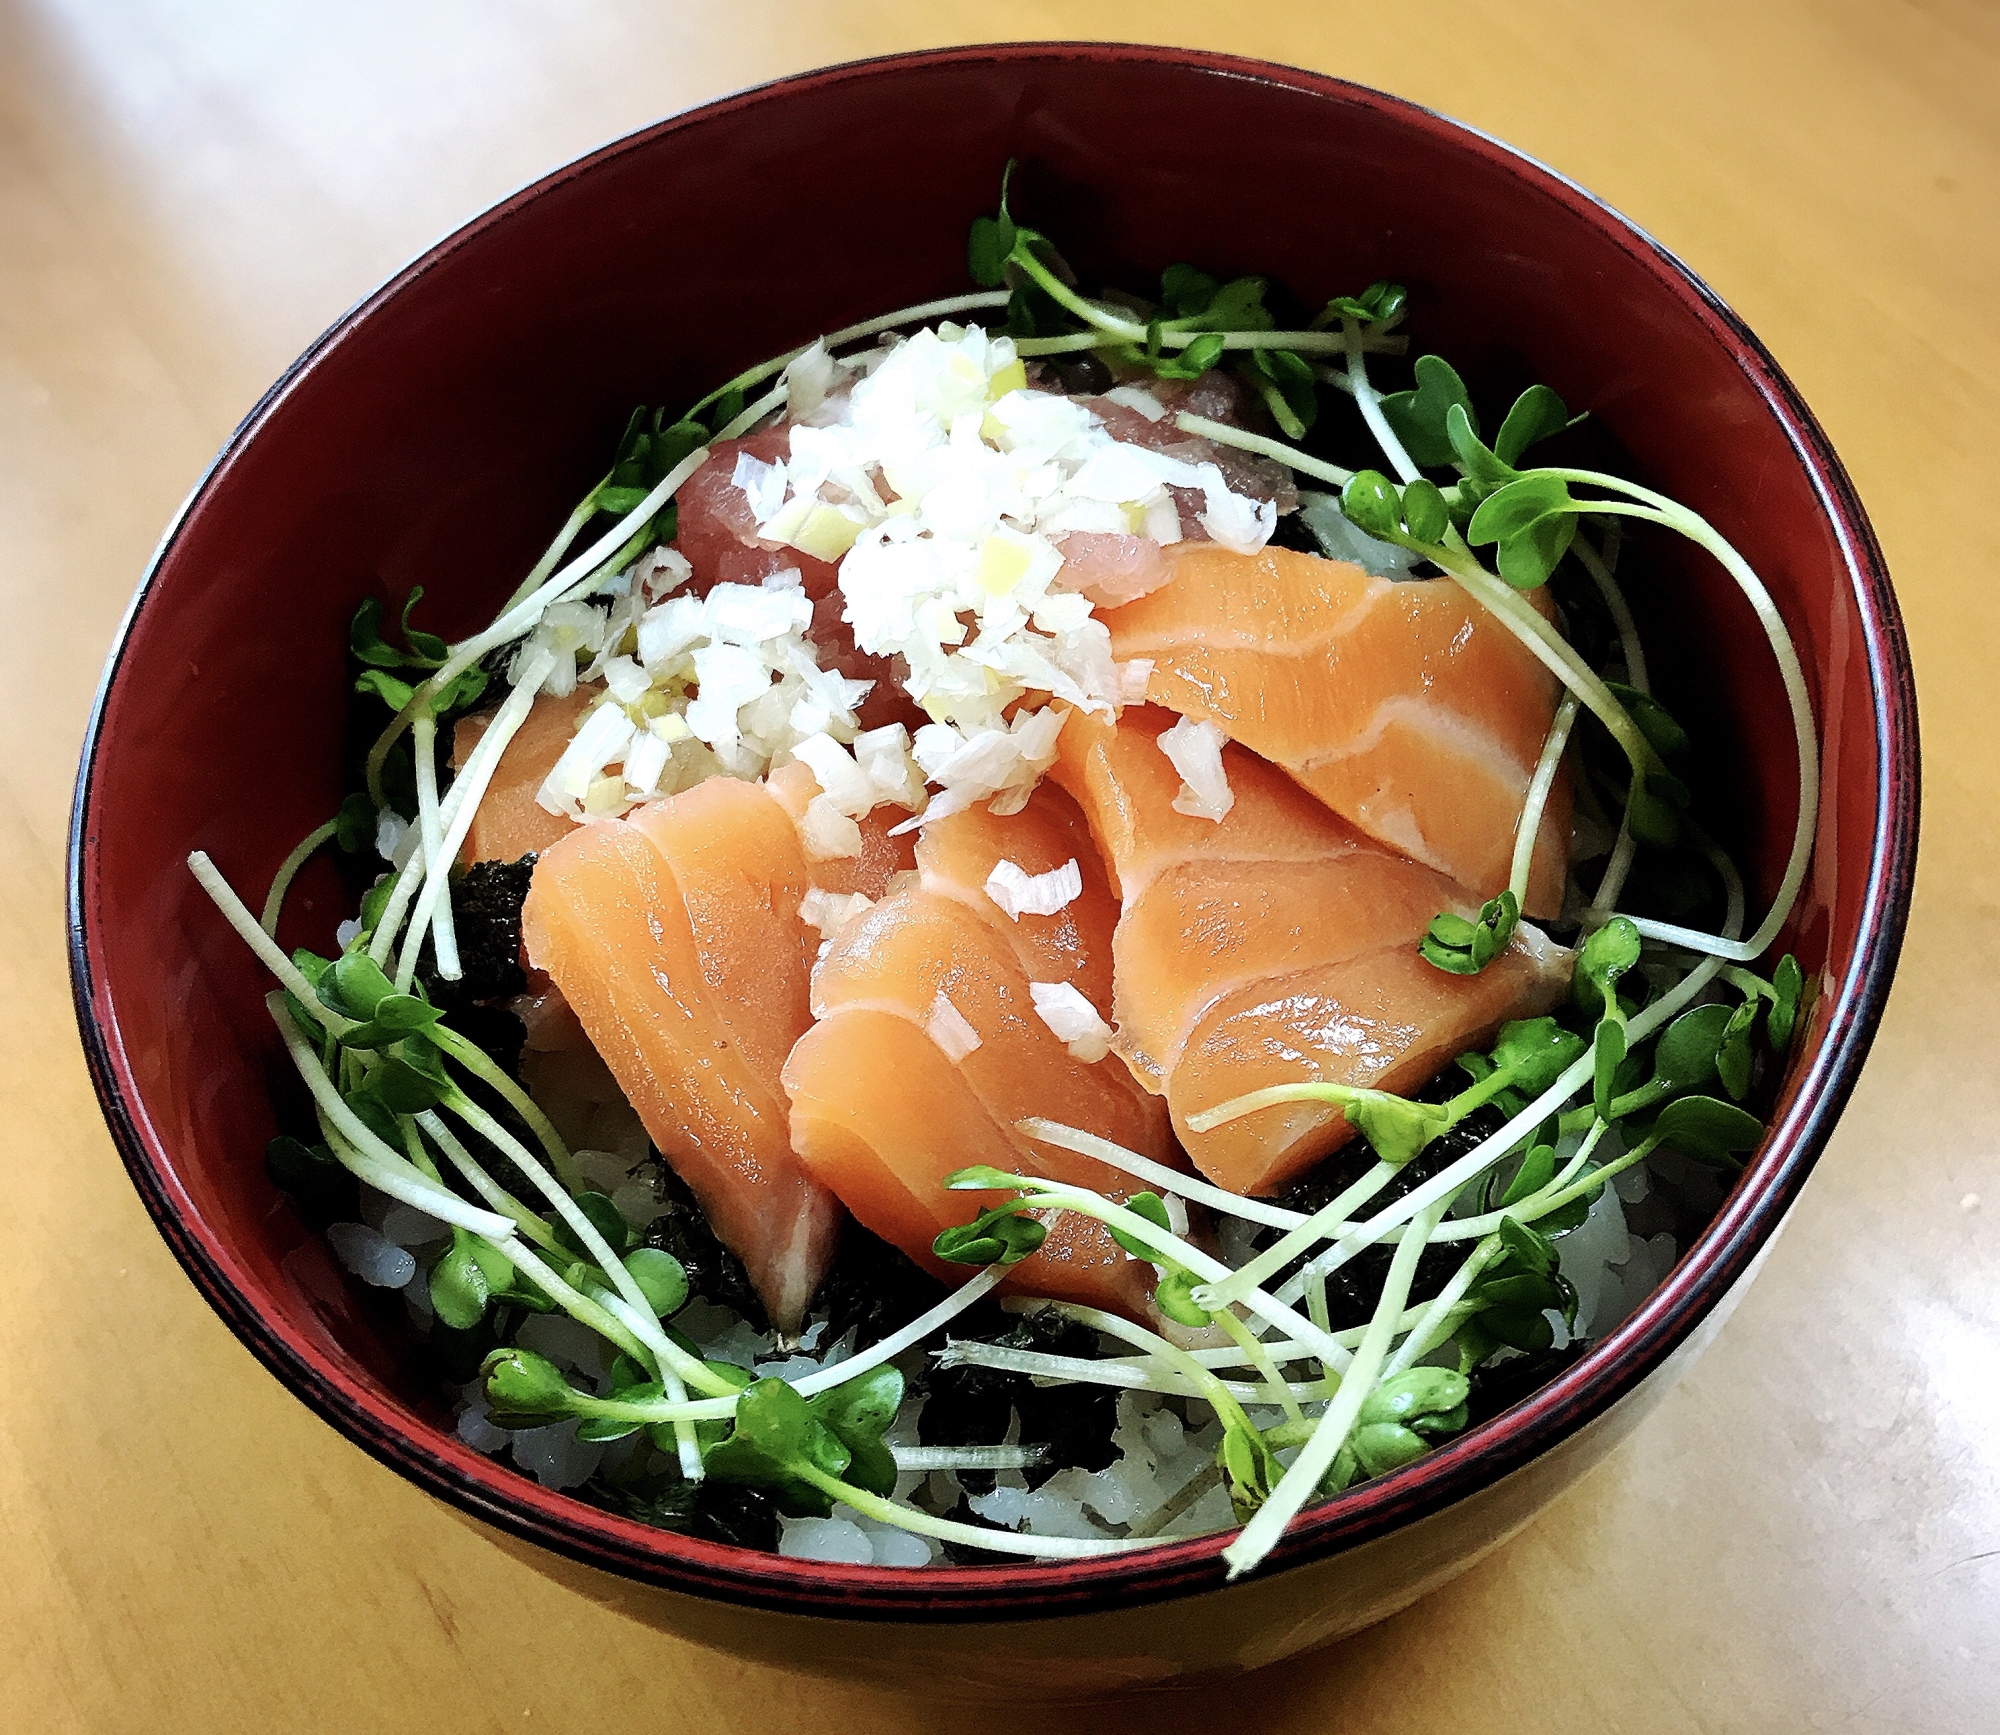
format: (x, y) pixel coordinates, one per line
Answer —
(735, 855)
(881, 1116)
(1126, 787)
(509, 822)
(1225, 954)
(1404, 706)
(882, 857)
(1203, 929)
(609, 921)
(1383, 1020)
(942, 960)
(958, 855)
(914, 948)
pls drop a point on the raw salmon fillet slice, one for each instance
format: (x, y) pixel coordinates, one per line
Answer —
(509, 822)
(882, 1116)
(882, 856)
(735, 855)
(956, 857)
(1382, 1018)
(675, 938)
(881, 1110)
(1275, 945)
(1404, 706)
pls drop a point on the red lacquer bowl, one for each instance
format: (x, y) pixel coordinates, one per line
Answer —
(438, 432)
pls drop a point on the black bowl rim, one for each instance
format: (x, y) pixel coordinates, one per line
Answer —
(1610, 1371)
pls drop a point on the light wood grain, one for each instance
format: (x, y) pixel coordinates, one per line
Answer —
(1806, 1538)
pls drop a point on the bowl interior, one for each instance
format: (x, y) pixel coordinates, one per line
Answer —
(438, 434)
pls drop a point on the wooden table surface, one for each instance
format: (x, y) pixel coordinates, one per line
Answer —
(1806, 1537)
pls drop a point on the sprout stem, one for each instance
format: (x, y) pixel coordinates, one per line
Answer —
(967, 1535)
(469, 789)
(423, 748)
(237, 914)
(671, 1357)
(281, 881)
(1539, 785)
(1265, 447)
(521, 617)
(1168, 1180)
(1316, 1457)
(384, 1169)
(1369, 401)
(754, 412)
(1302, 1239)
(526, 1222)
(1139, 1375)
(572, 526)
(897, 1341)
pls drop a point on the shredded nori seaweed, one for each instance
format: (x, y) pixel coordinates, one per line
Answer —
(713, 1272)
(1500, 1385)
(1352, 1291)
(710, 1509)
(871, 1288)
(486, 905)
(969, 1406)
(1291, 532)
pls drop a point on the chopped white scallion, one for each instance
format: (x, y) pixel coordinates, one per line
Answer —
(1195, 751)
(842, 782)
(1138, 398)
(601, 741)
(1133, 674)
(646, 761)
(829, 912)
(1020, 893)
(1071, 1017)
(948, 1028)
(827, 834)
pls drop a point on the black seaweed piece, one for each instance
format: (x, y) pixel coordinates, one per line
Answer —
(1087, 376)
(1291, 532)
(1352, 1291)
(711, 1510)
(1073, 1421)
(964, 1554)
(713, 1272)
(486, 905)
(969, 1406)
(496, 1032)
(1501, 1385)
(872, 1289)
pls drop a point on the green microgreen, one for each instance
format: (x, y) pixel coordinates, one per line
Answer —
(1606, 956)
(1000, 1235)
(1707, 1129)
(1419, 416)
(1655, 721)
(1536, 414)
(1789, 985)
(420, 650)
(1463, 947)
(355, 824)
(1533, 519)
(1379, 304)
